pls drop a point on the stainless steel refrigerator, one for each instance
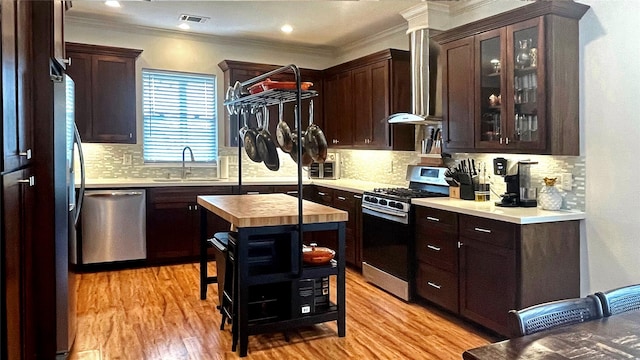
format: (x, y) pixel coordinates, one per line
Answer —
(66, 250)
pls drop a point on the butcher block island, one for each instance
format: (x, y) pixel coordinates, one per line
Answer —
(267, 287)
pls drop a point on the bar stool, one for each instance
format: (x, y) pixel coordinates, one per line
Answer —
(228, 307)
(219, 243)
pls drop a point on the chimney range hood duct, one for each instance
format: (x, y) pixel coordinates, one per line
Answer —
(425, 80)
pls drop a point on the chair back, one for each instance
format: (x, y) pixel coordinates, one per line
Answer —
(619, 300)
(553, 314)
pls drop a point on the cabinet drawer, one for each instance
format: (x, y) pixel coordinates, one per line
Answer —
(438, 286)
(439, 249)
(429, 218)
(344, 200)
(498, 233)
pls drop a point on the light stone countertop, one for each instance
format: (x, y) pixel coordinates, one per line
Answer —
(488, 209)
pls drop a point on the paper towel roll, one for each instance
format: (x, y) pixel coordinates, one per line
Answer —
(223, 167)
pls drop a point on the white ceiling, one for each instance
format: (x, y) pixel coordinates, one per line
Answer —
(316, 23)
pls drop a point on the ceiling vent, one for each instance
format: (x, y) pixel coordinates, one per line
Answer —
(194, 18)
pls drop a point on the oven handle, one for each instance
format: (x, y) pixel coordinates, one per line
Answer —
(396, 214)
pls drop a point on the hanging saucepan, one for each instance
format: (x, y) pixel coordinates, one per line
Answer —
(315, 142)
(283, 132)
(266, 147)
(249, 139)
(306, 158)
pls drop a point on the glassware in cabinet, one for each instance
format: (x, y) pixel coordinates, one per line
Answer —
(526, 82)
(491, 82)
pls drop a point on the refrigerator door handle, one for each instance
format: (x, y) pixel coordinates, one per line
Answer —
(78, 141)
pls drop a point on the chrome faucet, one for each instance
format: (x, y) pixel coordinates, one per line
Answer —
(184, 170)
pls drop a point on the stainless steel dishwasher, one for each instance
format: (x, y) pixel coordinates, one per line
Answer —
(113, 226)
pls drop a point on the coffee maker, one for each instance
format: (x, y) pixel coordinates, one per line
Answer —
(520, 192)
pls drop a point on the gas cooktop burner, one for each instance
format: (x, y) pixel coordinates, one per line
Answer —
(407, 193)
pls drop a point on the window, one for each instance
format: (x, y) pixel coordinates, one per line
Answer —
(179, 109)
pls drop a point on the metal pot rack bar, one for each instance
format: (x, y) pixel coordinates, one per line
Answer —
(274, 97)
(271, 97)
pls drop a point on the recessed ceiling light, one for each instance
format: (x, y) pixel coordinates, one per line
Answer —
(112, 3)
(286, 28)
(184, 26)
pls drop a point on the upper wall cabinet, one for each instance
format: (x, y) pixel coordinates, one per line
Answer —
(105, 96)
(511, 81)
(242, 71)
(361, 94)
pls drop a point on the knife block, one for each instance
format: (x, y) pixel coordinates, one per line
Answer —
(467, 192)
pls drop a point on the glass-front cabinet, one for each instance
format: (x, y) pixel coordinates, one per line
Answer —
(510, 98)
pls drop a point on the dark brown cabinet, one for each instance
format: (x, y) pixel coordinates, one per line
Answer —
(173, 219)
(481, 268)
(361, 94)
(501, 76)
(17, 120)
(243, 71)
(349, 202)
(105, 95)
(18, 202)
(457, 96)
(437, 256)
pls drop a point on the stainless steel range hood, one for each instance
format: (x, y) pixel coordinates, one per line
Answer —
(425, 81)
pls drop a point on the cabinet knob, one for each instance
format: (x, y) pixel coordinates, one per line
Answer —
(460, 243)
(130, 135)
(67, 61)
(27, 154)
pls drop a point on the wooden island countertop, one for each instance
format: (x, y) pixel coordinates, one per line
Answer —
(268, 210)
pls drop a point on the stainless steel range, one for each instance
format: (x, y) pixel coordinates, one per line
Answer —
(388, 229)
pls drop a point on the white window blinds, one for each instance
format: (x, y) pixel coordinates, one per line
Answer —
(179, 109)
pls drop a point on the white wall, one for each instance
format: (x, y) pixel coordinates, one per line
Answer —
(610, 130)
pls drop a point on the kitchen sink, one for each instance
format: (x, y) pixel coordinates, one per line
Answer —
(186, 180)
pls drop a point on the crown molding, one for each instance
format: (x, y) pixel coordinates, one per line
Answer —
(220, 40)
(381, 36)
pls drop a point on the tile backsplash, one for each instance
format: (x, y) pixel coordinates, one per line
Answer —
(381, 166)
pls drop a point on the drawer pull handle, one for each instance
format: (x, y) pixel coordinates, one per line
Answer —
(483, 230)
(292, 192)
(434, 248)
(433, 219)
(357, 196)
(433, 285)
(321, 193)
(342, 198)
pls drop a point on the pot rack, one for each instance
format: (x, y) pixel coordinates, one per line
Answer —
(274, 97)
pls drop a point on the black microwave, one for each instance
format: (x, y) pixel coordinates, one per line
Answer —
(329, 169)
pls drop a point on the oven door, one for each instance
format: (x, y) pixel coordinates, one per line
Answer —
(385, 244)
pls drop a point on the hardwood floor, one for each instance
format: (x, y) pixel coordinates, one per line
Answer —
(156, 313)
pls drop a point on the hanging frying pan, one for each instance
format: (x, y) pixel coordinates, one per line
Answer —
(306, 158)
(315, 142)
(283, 132)
(249, 140)
(266, 147)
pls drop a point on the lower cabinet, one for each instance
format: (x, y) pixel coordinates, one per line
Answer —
(173, 219)
(349, 202)
(481, 268)
(173, 222)
(437, 256)
(17, 313)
